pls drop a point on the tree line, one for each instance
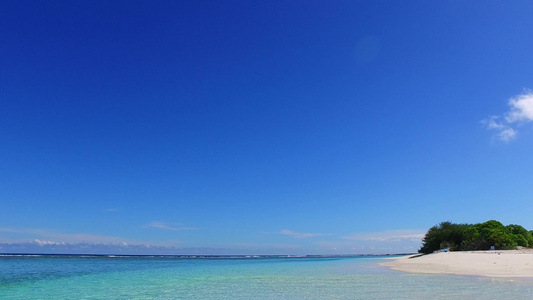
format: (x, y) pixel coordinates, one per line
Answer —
(480, 236)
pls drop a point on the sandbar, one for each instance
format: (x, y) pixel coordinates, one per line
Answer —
(507, 263)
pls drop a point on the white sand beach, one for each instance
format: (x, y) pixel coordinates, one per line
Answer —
(509, 263)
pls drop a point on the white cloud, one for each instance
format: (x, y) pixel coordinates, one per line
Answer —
(507, 134)
(300, 235)
(521, 108)
(384, 242)
(39, 242)
(50, 247)
(521, 111)
(389, 236)
(35, 240)
(266, 246)
(167, 226)
(41, 236)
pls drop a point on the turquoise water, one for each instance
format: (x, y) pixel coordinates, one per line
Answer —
(48, 277)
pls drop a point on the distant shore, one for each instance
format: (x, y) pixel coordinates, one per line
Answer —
(508, 263)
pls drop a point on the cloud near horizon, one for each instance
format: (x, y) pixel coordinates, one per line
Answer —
(167, 226)
(30, 240)
(389, 236)
(36, 240)
(300, 235)
(49, 247)
(521, 111)
(56, 237)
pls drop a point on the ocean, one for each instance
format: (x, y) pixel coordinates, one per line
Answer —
(107, 277)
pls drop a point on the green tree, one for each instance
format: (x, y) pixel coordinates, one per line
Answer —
(479, 236)
(444, 235)
(431, 240)
(491, 233)
(521, 234)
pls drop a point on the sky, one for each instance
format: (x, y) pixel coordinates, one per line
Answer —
(261, 127)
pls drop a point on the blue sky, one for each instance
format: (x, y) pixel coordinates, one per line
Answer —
(287, 127)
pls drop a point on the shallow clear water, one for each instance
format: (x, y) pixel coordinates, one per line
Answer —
(268, 278)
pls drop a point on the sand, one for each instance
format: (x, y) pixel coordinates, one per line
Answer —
(510, 263)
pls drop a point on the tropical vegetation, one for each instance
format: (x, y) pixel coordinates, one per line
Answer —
(481, 236)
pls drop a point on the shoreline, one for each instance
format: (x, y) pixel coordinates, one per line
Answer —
(504, 263)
